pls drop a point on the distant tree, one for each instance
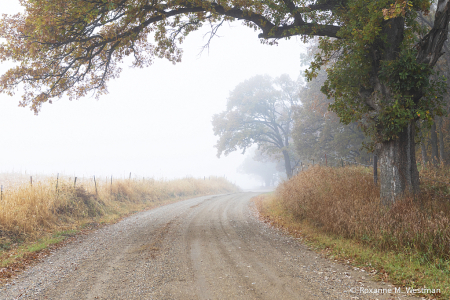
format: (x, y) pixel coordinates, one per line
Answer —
(261, 170)
(436, 136)
(380, 57)
(277, 159)
(259, 111)
(317, 131)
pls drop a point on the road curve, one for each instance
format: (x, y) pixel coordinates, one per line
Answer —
(209, 247)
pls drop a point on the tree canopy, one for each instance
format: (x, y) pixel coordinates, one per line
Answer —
(380, 58)
(370, 54)
(74, 47)
(259, 111)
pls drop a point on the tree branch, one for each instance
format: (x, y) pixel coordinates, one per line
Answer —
(429, 47)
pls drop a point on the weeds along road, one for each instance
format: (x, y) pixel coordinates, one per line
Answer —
(209, 247)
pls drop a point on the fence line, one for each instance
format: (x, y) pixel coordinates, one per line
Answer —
(80, 180)
(375, 165)
(342, 159)
(375, 168)
(349, 161)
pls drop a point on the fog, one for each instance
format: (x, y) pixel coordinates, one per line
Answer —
(155, 122)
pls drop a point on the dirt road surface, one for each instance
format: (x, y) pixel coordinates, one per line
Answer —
(209, 247)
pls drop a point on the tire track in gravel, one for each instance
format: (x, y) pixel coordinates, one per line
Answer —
(270, 277)
(203, 248)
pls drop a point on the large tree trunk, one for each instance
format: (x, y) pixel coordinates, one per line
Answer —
(287, 164)
(434, 144)
(398, 169)
(399, 174)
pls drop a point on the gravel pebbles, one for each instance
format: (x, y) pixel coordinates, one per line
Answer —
(209, 247)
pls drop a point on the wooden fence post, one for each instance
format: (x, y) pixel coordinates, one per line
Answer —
(75, 182)
(31, 180)
(57, 179)
(326, 161)
(95, 183)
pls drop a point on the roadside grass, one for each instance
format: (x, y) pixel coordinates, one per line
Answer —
(337, 211)
(435, 178)
(35, 219)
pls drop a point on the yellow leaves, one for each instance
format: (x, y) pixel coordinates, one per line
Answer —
(397, 9)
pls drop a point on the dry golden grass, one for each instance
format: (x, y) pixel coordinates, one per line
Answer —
(438, 176)
(27, 211)
(402, 268)
(345, 202)
(338, 211)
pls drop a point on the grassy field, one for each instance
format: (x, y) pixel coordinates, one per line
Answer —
(33, 217)
(338, 211)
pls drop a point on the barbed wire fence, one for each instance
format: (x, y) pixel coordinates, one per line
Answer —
(77, 182)
(341, 162)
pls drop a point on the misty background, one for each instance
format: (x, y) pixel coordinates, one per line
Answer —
(155, 122)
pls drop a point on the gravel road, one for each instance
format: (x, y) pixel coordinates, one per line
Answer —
(209, 247)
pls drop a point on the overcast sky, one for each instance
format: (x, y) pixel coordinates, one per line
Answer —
(155, 122)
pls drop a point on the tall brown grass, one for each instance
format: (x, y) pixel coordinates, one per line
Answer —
(345, 202)
(29, 210)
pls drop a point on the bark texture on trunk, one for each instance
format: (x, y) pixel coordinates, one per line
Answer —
(287, 164)
(399, 174)
(398, 167)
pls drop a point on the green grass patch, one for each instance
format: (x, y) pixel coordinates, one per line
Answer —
(402, 269)
(44, 243)
(407, 268)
